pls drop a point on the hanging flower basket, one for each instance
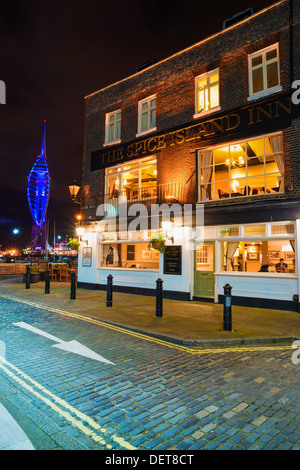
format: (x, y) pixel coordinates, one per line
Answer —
(157, 243)
(73, 243)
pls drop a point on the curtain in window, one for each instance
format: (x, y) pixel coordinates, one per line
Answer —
(230, 250)
(292, 243)
(277, 149)
(207, 161)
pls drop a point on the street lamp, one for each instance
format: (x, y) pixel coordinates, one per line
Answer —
(74, 190)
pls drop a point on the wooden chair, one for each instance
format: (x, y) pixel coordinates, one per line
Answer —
(64, 274)
(53, 274)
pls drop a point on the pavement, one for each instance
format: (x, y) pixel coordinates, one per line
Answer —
(188, 323)
(195, 324)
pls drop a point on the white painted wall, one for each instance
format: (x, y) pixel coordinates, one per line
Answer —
(88, 274)
(271, 287)
(140, 278)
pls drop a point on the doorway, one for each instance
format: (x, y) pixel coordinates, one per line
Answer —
(204, 279)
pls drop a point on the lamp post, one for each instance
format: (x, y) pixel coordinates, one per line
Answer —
(74, 190)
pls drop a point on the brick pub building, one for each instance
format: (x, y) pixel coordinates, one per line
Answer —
(212, 125)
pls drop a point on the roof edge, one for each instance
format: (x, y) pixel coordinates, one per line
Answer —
(188, 48)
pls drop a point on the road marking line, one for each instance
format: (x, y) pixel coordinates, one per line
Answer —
(12, 436)
(193, 351)
(70, 346)
(86, 429)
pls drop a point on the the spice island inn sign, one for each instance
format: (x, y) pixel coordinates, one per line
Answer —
(264, 117)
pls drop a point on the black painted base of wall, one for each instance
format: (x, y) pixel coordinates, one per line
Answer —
(293, 306)
(204, 299)
(262, 303)
(167, 294)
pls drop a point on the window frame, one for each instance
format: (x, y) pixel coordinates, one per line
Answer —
(268, 236)
(139, 122)
(107, 238)
(203, 76)
(107, 123)
(121, 170)
(247, 177)
(266, 91)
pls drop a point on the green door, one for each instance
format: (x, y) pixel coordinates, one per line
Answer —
(204, 279)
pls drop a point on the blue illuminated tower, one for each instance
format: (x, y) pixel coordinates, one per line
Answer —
(38, 190)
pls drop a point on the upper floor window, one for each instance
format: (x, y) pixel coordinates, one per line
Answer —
(135, 180)
(246, 168)
(207, 92)
(147, 115)
(264, 77)
(113, 127)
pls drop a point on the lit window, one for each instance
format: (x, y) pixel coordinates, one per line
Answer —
(135, 180)
(147, 115)
(113, 127)
(264, 72)
(207, 92)
(268, 256)
(246, 168)
(129, 256)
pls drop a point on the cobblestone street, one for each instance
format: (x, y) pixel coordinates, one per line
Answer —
(149, 395)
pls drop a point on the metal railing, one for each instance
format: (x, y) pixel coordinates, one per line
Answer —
(168, 193)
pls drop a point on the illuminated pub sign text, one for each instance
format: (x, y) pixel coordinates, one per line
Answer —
(226, 124)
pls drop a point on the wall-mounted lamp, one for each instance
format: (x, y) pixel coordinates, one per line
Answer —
(80, 232)
(74, 192)
(168, 228)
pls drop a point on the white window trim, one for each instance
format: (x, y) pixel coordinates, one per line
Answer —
(267, 237)
(128, 241)
(140, 103)
(211, 110)
(107, 116)
(231, 143)
(268, 91)
(120, 170)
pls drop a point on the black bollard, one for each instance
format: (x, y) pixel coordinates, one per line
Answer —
(109, 291)
(159, 298)
(27, 277)
(73, 285)
(227, 321)
(47, 282)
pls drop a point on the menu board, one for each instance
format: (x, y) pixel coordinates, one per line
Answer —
(172, 260)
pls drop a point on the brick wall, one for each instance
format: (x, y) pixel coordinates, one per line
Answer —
(173, 81)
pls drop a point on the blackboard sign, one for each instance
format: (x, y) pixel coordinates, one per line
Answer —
(172, 260)
(130, 252)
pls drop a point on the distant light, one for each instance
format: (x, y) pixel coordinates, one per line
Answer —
(16, 231)
(58, 237)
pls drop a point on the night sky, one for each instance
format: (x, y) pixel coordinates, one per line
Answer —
(55, 53)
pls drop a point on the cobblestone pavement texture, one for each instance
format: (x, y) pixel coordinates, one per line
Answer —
(156, 395)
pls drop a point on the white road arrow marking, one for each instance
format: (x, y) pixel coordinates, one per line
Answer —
(71, 346)
(12, 437)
